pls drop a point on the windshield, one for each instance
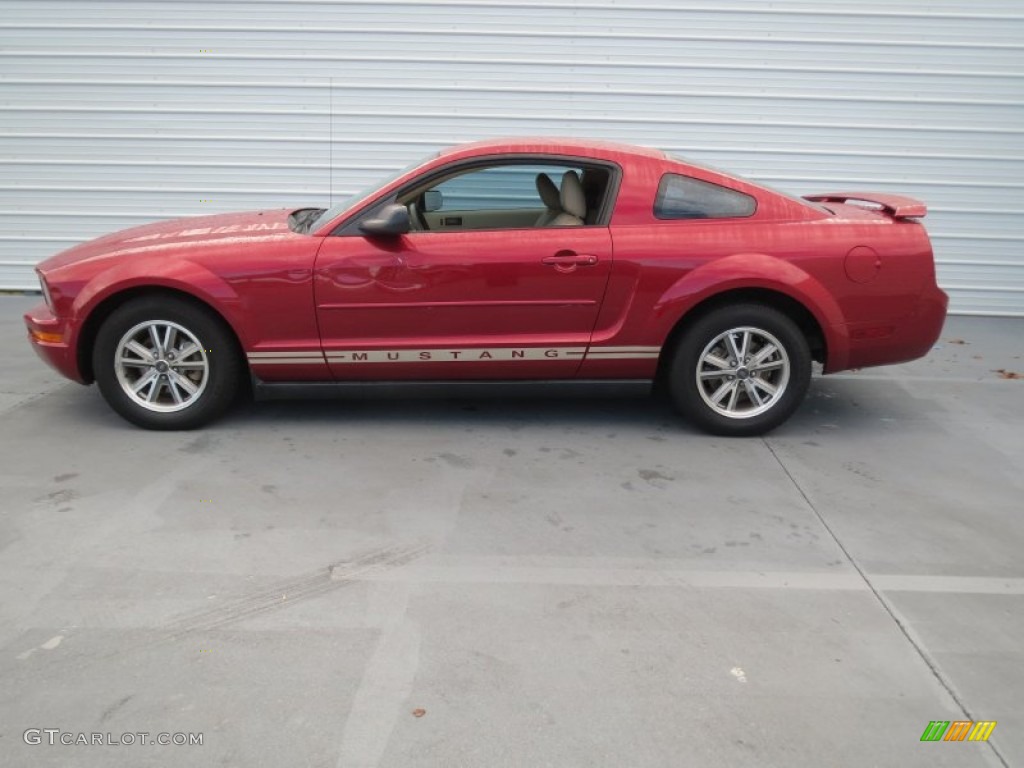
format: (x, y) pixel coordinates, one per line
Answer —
(339, 208)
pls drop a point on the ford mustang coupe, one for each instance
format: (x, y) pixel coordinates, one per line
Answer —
(522, 261)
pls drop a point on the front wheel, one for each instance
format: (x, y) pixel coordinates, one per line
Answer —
(164, 363)
(740, 370)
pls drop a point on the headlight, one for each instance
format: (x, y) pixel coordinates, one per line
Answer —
(46, 291)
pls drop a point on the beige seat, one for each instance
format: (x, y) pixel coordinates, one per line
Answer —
(573, 203)
(550, 196)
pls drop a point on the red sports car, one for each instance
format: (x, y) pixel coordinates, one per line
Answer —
(526, 261)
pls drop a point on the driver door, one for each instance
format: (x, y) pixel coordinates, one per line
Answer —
(472, 293)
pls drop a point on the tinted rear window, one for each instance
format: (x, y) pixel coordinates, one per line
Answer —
(682, 197)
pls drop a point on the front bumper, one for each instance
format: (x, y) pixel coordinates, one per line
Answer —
(50, 337)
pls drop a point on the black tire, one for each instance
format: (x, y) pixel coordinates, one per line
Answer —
(697, 376)
(188, 384)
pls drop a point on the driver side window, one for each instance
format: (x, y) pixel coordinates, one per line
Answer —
(509, 196)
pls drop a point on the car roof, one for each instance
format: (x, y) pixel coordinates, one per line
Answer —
(554, 145)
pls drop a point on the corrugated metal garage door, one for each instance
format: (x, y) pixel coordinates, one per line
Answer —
(120, 112)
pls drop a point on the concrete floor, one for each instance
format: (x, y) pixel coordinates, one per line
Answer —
(545, 583)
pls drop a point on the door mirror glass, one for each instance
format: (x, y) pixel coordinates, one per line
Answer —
(390, 221)
(432, 200)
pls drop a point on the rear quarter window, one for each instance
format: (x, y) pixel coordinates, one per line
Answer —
(683, 197)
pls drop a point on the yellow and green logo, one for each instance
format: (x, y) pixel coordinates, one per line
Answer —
(958, 730)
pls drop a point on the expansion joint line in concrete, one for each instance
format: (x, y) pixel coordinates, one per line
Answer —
(884, 602)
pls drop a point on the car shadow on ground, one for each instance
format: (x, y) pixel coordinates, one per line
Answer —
(649, 413)
(842, 405)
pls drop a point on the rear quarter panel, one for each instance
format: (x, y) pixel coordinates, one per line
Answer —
(663, 269)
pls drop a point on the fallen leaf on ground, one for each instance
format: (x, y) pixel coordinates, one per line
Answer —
(419, 712)
(955, 341)
(1005, 374)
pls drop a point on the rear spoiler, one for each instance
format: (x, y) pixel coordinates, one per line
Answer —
(897, 206)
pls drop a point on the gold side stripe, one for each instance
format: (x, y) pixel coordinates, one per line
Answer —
(307, 353)
(625, 356)
(465, 354)
(602, 353)
(472, 355)
(592, 350)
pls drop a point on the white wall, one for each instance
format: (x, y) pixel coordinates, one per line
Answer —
(124, 111)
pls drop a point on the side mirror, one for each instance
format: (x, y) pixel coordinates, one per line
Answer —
(432, 200)
(390, 221)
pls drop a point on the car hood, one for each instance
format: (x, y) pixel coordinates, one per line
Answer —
(170, 236)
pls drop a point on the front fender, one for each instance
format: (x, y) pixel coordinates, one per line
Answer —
(755, 271)
(180, 275)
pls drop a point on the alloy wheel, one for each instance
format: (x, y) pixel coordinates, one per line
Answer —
(742, 372)
(161, 366)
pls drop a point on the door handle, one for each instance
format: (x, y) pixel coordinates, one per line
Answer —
(567, 261)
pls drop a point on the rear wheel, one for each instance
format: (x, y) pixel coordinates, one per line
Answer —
(740, 370)
(164, 363)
